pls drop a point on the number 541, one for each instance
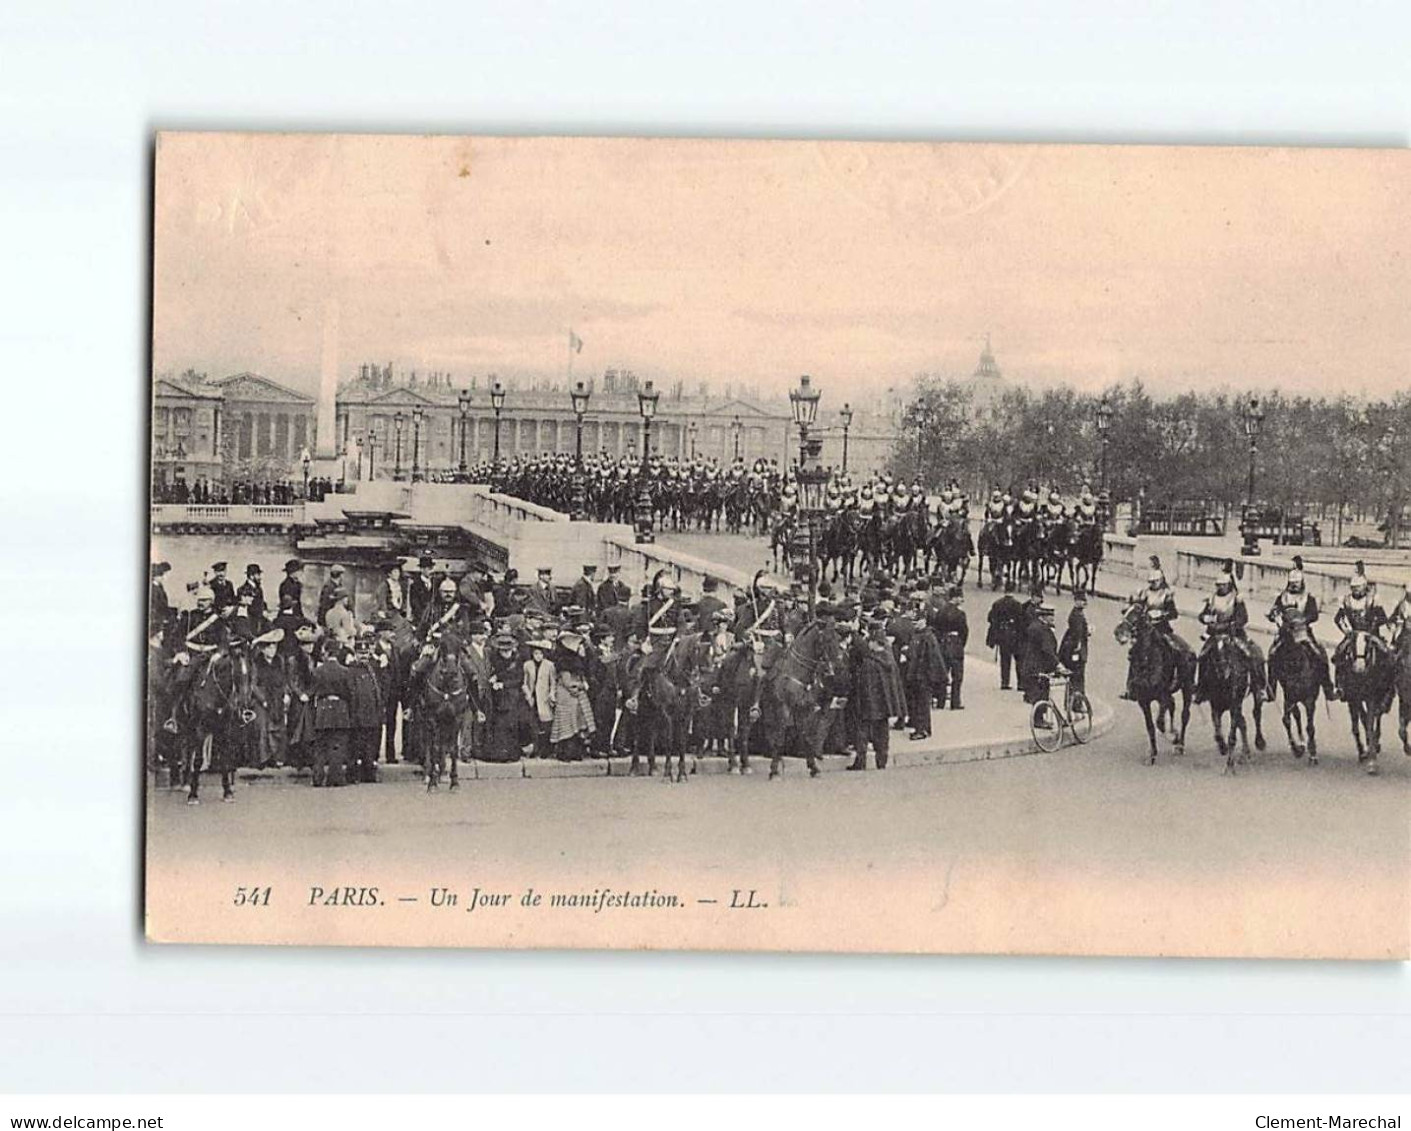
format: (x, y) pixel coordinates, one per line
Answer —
(252, 897)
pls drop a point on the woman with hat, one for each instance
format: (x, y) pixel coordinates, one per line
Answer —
(572, 726)
(538, 683)
(505, 714)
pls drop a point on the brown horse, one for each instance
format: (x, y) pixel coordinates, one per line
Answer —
(1159, 670)
(1366, 674)
(800, 692)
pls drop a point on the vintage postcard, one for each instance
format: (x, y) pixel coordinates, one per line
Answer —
(779, 546)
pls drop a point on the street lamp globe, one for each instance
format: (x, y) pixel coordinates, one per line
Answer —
(579, 396)
(463, 400)
(1104, 415)
(803, 401)
(1253, 418)
(497, 396)
(400, 420)
(647, 398)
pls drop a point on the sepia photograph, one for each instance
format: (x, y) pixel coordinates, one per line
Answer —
(747, 545)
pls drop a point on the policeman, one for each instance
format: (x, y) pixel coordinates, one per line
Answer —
(952, 633)
(222, 591)
(1225, 616)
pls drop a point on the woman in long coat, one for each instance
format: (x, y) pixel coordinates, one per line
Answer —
(299, 677)
(507, 706)
(572, 726)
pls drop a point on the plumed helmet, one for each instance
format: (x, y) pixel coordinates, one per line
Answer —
(1226, 575)
(1295, 580)
(1156, 575)
(663, 583)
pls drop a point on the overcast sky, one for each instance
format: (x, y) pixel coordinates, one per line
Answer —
(753, 262)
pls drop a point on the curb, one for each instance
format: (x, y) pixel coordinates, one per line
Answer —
(1013, 744)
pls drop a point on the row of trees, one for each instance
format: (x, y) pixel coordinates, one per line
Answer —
(1334, 455)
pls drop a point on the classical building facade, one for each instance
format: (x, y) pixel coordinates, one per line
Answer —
(248, 425)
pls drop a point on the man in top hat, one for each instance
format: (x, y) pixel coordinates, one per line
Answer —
(584, 595)
(222, 591)
(291, 589)
(541, 598)
(1225, 617)
(1003, 633)
(253, 587)
(419, 591)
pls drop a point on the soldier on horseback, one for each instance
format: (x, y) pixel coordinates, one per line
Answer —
(1157, 603)
(1359, 612)
(1225, 616)
(996, 507)
(1054, 512)
(1294, 612)
(1085, 509)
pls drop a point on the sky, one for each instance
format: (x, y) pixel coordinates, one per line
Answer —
(749, 263)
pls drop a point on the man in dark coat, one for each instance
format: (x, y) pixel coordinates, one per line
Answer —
(419, 590)
(583, 595)
(253, 586)
(952, 631)
(333, 691)
(613, 590)
(291, 589)
(1040, 653)
(1073, 648)
(922, 673)
(328, 595)
(710, 602)
(159, 607)
(222, 591)
(365, 709)
(1003, 632)
(271, 694)
(541, 598)
(299, 681)
(877, 696)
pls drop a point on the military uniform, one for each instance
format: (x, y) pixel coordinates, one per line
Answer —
(952, 633)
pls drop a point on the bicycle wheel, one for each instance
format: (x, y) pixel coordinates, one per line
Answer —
(1080, 716)
(1046, 727)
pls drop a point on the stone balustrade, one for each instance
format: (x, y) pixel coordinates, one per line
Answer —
(1264, 578)
(640, 563)
(245, 514)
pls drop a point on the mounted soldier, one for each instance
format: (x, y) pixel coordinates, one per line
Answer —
(1225, 615)
(1157, 604)
(1294, 613)
(1085, 509)
(1359, 612)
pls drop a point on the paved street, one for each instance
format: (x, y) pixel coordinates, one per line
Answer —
(1086, 847)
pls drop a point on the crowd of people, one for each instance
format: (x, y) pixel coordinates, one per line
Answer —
(263, 492)
(447, 667)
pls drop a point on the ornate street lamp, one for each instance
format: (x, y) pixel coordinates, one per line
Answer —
(803, 402)
(646, 405)
(812, 479)
(371, 455)
(846, 417)
(306, 460)
(463, 400)
(579, 396)
(400, 420)
(1104, 426)
(497, 402)
(416, 440)
(1253, 422)
(693, 429)
(735, 434)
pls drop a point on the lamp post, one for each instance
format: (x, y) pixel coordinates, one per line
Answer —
(400, 420)
(1253, 421)
(803, 402)
(693, 429)
(579, 396)
(846, 417)
(371, 455)
(646, 405)
(1104, 425)
(463, 400)
(735, 435)
(306, 460)
(497, 402)
(416, 440)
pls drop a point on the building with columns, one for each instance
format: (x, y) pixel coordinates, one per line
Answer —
(246, 425)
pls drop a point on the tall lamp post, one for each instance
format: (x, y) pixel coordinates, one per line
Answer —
(846, 417)
(416, 440)
(579, 395)
(371, 455)
(735, 435)
(400, 420)
(803, 403)
(1253, 421)
(463, 400)
(497, 402)
(647, 406)
(693, 430)
(1104, 426)
(306, 460)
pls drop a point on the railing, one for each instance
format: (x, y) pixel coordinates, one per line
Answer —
(244, 513)
(1265, 578)
(644, 560)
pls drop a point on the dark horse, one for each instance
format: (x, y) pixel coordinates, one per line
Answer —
(1403, 685)
(1366, 674)
(950, 546)
(1159, 670)
(222, 708)
(1085, 556)
(996, 547)
(800, 689)
(1295, 672)
(1226, 676)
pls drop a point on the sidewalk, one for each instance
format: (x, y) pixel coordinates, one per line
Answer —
(994, 724)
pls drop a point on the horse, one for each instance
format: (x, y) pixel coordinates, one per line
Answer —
(781, 531)
(950, 546)
(1295, 673)
(871, 542)
(1226, 676)
(214, 700)
(1159, 670)
(1055, 544)
(1366, 674)
(838, 544)
(996, 547)
(1402, 644)
(905, 536)
(735, 699)
(1085, 557)
(799, 689)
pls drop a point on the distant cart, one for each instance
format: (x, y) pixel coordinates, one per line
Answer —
(1197, 518)
(1282, 527)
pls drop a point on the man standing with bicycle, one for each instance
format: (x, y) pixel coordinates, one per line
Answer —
(1041, 654)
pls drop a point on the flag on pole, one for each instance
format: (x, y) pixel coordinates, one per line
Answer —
(575, 343)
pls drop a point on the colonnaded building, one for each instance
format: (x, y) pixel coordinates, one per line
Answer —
(387, 425)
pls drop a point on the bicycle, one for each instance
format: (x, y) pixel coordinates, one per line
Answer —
(1047, 719)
